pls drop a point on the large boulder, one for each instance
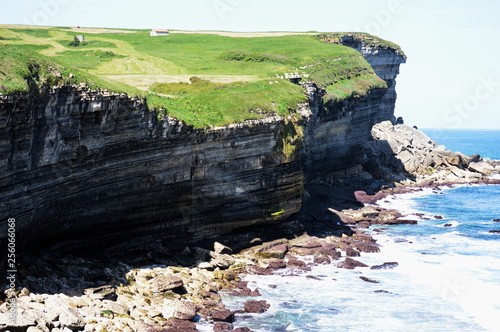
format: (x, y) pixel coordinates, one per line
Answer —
(257, 307)
(178, 309)
(164, 284)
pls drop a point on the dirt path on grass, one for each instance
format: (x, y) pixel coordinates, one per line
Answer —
(143, 82)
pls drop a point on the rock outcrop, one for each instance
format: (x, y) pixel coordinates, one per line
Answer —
(420, 157)
(86, 171)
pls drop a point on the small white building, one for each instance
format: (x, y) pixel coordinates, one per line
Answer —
(81, 38)
(159, 32)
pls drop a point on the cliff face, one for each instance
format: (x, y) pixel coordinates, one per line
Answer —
(385, 61)
(86, 169)
(83, 170)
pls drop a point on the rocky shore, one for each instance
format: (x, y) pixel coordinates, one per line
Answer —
(64, 293)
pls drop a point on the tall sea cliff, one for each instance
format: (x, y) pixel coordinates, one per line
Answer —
(90, 171)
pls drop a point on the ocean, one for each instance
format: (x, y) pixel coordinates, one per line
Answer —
(448, 278)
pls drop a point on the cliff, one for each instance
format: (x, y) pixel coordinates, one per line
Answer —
(85, 171)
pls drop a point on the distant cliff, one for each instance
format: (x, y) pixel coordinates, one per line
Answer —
(85, 171)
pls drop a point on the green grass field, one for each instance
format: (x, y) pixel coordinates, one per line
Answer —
(243, 77)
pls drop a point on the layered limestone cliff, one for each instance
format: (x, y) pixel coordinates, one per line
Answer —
(86, 171)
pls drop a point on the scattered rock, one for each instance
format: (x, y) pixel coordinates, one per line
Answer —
(297, 263)
(385, 266)
(438, 217)
(496, 220)
(448, 225)
(223, 315)
(350, 264)
(257, 307)
(179, 309)
(223, 327)
(322, 260)
(219, 248)
(276, 264)
(368, 280)
(163, 284)
(242, 329)
(182, 325)
(494, 231)
(277, 251)
(102, 293)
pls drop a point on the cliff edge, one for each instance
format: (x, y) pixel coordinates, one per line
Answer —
(88, 171)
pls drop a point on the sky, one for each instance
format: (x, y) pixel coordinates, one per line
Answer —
(451, 78)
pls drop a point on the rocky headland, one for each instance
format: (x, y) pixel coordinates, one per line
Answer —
(127, 222)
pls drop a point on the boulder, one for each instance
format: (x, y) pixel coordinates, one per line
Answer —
(224, 315)
(368, 280)
(162, 284)
(257, 307)
(24, 319)
(179, 309)
(106, 292)
(481, 167)
(242, 329)
(350, 264)
(223, 327)
(385, 266)
(276, 264)
(71, 319)
(182, 325)
(277, 251)
(222, 249)
(116, 307)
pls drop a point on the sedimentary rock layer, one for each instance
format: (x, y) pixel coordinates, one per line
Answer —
(85, 170)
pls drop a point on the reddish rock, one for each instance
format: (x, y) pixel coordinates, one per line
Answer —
(224, 315)
(494, 232)
(350, 251)
(496, 220)
(240, 284)
(257, 307)
(367, 247)
(403, 222)
(330, 250)
(209, 295)
(242, 329)
(296, 263)
(350, 264)
(364, 198)
(182, 325)
(368, 280)
(245, 291)
(438, 217)
(223, 327)
(276, 264)
(322, 260)
(364, 224)
(258, 270)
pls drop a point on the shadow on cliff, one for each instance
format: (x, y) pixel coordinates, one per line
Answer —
(379, 169)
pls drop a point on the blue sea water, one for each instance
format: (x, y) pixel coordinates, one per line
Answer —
(448, 278)
(468, 141)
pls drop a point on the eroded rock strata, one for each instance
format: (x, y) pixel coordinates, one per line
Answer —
(90, 171)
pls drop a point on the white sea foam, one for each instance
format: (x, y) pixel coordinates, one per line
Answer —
(444, 282)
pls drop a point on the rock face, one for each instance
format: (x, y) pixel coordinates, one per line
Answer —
(419, 156)
(385, 61)
(91, 170)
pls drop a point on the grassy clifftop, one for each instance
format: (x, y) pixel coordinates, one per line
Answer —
(204, 79)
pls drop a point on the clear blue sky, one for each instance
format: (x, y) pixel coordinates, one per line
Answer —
(451, 80)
